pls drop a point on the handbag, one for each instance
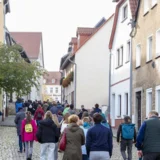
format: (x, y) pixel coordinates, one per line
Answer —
(63, 141)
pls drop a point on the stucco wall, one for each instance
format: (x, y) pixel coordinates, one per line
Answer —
(120, 76)
(146, 76)
(93, 69)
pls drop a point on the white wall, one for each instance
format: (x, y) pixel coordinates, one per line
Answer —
(120, 75)
(93, 69)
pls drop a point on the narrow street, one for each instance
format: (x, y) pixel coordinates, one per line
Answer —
(9, 147)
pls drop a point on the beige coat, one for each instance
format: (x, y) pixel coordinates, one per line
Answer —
(75, 139)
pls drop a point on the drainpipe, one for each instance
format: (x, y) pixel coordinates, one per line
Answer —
(61, 85)
(75, 81)
(109, 101)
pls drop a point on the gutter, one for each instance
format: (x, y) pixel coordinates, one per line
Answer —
(75, 80)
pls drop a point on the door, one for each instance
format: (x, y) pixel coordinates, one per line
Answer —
(138, 107)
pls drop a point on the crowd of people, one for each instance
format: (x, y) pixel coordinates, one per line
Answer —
(82, 135)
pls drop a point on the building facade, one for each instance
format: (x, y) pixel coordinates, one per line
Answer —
(32, 43)
(146, 61)
(120, 51)
(51, 87)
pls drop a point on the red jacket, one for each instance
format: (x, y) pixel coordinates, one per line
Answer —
(39, 114)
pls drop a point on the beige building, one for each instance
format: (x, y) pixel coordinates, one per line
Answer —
(146, 60)
(4, 9)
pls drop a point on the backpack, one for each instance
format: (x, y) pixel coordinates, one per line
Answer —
(28, 128)
(128, 131)
(39, 115)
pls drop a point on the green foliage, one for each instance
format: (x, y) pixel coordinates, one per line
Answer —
(16, 75)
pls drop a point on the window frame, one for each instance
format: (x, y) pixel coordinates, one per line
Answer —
(124, 12)
(157, 107)
(128, 51)
(149, 57)
(157, 52)
(138, 65)
(148, 108)
(53, 81)
(119, 105)
(51, 88)
(56, 90)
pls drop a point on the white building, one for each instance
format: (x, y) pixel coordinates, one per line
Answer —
(120, 50)
(33, 45)
(51, 87)
(90, 53)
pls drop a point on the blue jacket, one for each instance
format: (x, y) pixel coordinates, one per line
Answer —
(99, 138)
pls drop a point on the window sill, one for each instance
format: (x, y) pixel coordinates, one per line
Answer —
(126, 62)
(137, 67)
(145, 13)
(119, 66)
(154, 6)
(124, 19)
(149, 61)
(157, 56)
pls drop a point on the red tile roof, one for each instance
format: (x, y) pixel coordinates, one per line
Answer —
(30, 41)
(84, 31)
(95, 31)
(52, 75)
(133, 6)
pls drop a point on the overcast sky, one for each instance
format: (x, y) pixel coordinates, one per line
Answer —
(57, 20)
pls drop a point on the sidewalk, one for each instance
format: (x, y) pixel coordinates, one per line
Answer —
(9, 121)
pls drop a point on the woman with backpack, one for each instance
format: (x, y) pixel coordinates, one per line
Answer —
(48, 135)
(39, 114)
(28, 134)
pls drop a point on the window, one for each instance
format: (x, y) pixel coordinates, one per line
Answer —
(125, 12)
(149, 48)
(53, 80)
(119, 105)
(158, 99)
(56, 89)
(51, 90)
(128, 51)
(138, 55)
(126, 103)
(154, 2)
(120, 57)
(148, 101)
(146, 6)
(157, 43)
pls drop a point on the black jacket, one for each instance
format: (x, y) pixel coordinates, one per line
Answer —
(47, 132)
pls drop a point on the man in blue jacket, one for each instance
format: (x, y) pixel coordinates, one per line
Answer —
(148, 139)
(99, 141)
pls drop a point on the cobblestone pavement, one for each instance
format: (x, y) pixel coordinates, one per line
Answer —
(9, 147)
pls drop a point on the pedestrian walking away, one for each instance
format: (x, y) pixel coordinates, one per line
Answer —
(125, 135)
(48, 134)
(148, 139)
(39, 114)
(99, 141)
(28, 133)
(18, 121)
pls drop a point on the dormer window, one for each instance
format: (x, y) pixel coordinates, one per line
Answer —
(53, 80)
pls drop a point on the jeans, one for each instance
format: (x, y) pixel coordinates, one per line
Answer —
(126, 144)
(99, 155)
(29, 149)
(21, 144)
(151, 156)
(51, 151)
(84, 157)
(56, 151)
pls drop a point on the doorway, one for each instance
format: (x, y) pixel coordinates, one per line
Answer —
(138, 107)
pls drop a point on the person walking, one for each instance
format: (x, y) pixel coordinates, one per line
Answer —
(82, 111)
(28, 133)
(99, 141)
(54, 108)
(65, 122)
(18, 121)
(47, 135)
(39, 114)
(71, 110)
(127, 132)
(74, 140)
(18, 104)
(148, 139)
(85, 126)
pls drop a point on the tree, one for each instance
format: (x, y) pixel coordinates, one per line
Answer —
(17, 75)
